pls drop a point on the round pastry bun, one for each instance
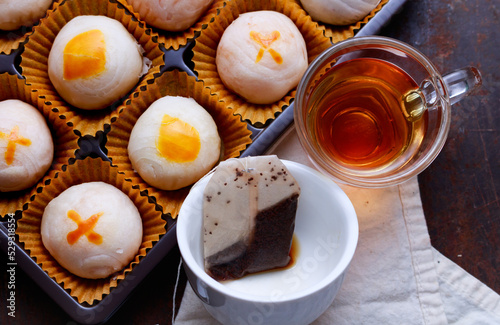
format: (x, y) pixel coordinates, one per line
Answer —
(94, 61)
(15, 14)
(261, 56)
(26, 145)
(338, 12)
(109, 242)
(170, 15)
(174, 143)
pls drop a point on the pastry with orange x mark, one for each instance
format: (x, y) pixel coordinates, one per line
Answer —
(261, 56)
(26, 145)
(92, 229)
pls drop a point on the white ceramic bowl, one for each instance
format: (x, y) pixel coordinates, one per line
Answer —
(327, 232)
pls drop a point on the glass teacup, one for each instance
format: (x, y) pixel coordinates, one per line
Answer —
(374, 112)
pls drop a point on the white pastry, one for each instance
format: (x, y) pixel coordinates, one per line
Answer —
(170, 15)
(26, 145)
(339, 12)
(261, 56)
(18, 13)
(174, 143)
(92, 229)
(94, 61)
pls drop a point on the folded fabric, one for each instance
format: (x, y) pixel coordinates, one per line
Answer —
(466, 300)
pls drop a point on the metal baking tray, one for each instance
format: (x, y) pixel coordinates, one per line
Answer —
(262, 139)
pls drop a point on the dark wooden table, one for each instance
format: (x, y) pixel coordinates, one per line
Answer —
(460, 191)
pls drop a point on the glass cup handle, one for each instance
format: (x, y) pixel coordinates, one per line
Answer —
(458, 83)
(461, 83)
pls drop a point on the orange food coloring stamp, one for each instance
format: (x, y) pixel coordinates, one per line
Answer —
(178, 141)
(265, 41)
(85, 228)
(85, 55)
(13, 140)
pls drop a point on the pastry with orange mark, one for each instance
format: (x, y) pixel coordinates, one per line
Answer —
(174, 143)
(94, 62)
(170, 15)
(92, 229)
(26, 146)
(261, 56)
(15, 14)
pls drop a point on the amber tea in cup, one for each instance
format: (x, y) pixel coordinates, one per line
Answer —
(373, 112)
(360, 122)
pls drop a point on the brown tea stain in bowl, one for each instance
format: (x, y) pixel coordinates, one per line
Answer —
(294, 254)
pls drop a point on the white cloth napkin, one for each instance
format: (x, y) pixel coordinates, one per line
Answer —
(395, 277)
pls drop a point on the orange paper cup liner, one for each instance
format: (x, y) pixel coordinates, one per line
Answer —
(65, 141)
(233, 132)
(205, 51)
(34, 59)
(87, 170)
(174, 40)
(10, 40)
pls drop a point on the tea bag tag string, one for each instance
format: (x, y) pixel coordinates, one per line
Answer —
(246, 169)
(175, 289)
(244, 163)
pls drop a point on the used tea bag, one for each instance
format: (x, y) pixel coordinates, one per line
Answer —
(249, 208)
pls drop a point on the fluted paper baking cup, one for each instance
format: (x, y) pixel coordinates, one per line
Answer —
(34, 59)
(205, 51)
(88, 170)
(233, 132)
(10, 40)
